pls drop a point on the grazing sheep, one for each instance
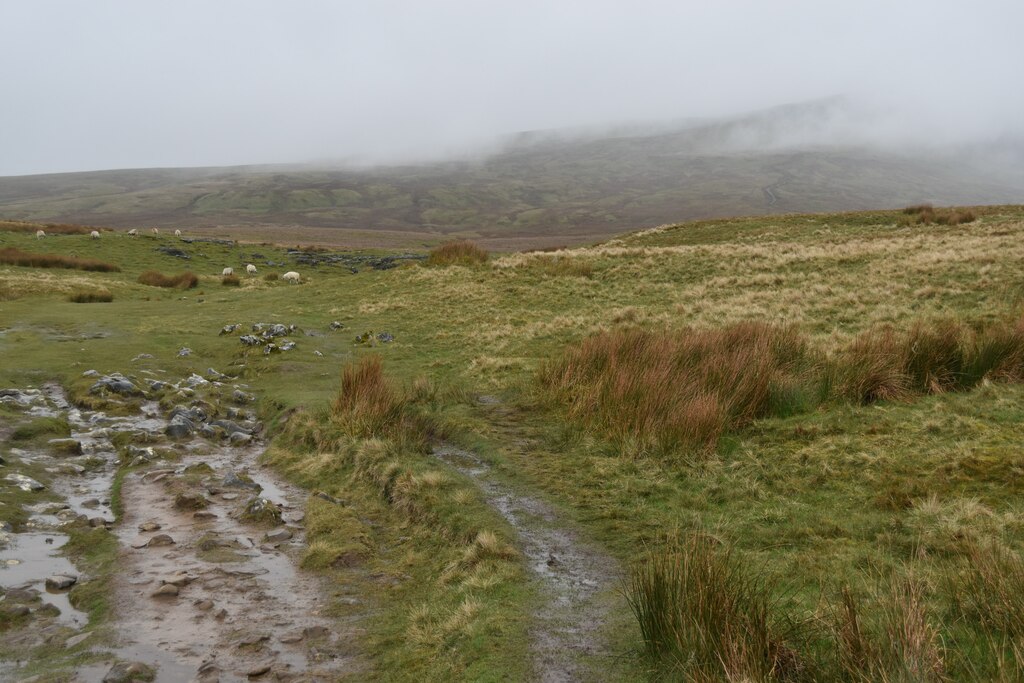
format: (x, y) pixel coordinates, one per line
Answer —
(177, 233)
(133, 233)
(227, 271)
(95, 234)
(250, 268)
(155, 231)
(291, 276)
(40, 234)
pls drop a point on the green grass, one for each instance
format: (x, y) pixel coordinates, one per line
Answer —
(840, 497)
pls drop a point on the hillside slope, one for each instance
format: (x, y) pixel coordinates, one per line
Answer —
(539, 190)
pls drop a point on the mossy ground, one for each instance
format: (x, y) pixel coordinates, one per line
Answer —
(821, 499)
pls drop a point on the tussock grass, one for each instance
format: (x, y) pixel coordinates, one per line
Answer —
(155, 278)
(368, 403)
(931, 357)
(663, 391)
(926, 214)
(90, 296)
(989, 589)
(902, 642)
(231, 281)
(460, 253)
(271, 277)
(659, 391)
(16, 257)
(704, 617)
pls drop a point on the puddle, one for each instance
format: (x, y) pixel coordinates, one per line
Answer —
(28, 559)
(575, 576)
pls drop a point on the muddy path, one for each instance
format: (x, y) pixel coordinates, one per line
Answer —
(579, 583)
(207, 584)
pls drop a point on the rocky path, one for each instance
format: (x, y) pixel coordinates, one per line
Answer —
(578, 581)
(207, 586)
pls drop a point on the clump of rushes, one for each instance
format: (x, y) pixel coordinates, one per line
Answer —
(13, 256)
(180, 281)
(90, 296)
(368, 403)
(231, 281)
(271, 277)
(703, 617)
(664, 390)
(460, 253)
(931, 357)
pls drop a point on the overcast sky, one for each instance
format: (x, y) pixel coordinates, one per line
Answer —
(114, 84)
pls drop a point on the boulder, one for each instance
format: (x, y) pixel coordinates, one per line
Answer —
(179, 427)
(60, 582)
(128, 672)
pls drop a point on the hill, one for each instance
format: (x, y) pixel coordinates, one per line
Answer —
(541, 189)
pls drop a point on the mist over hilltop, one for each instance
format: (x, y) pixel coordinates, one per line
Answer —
(116, 84)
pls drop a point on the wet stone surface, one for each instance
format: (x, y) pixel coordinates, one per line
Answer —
(207, 576)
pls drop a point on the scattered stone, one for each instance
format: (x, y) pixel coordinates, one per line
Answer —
(233, 480)
(179, 427)
(335, 325)
(287, 345)
(228, 329)
(184, 351)
(91, 503)
(190, 501)
(221, 615)
(278, 536)
(116, 383)
(96, 522)
(127, 672)
(261, 510)
(76, 640)
(318, 354)
(210, 372)
(204, 605)
(142, 356)
(61, 582)
(195, 380)
(241, 397)
(179, 579)
(158, 541)
(174, 251)
(385, 337)
(204, 515)
(24, 483)
(90, 373)
(293, 637)
(259, 670)
(229, 496)
(149, 526)
(167, 590)
(250, 340)
(239, 438)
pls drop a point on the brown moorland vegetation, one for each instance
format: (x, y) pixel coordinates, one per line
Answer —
(668, 390)
(91, 296)
(461, 253)
(180, 281)
(16, 257)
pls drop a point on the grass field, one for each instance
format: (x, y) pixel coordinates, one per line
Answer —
(843, 539)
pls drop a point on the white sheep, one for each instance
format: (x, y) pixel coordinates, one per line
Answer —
(292, 276)
(155, 231)
(40, 234)
(177, 233)
(133, 233)
(95, 234)
(228, 271)
(250, 268)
